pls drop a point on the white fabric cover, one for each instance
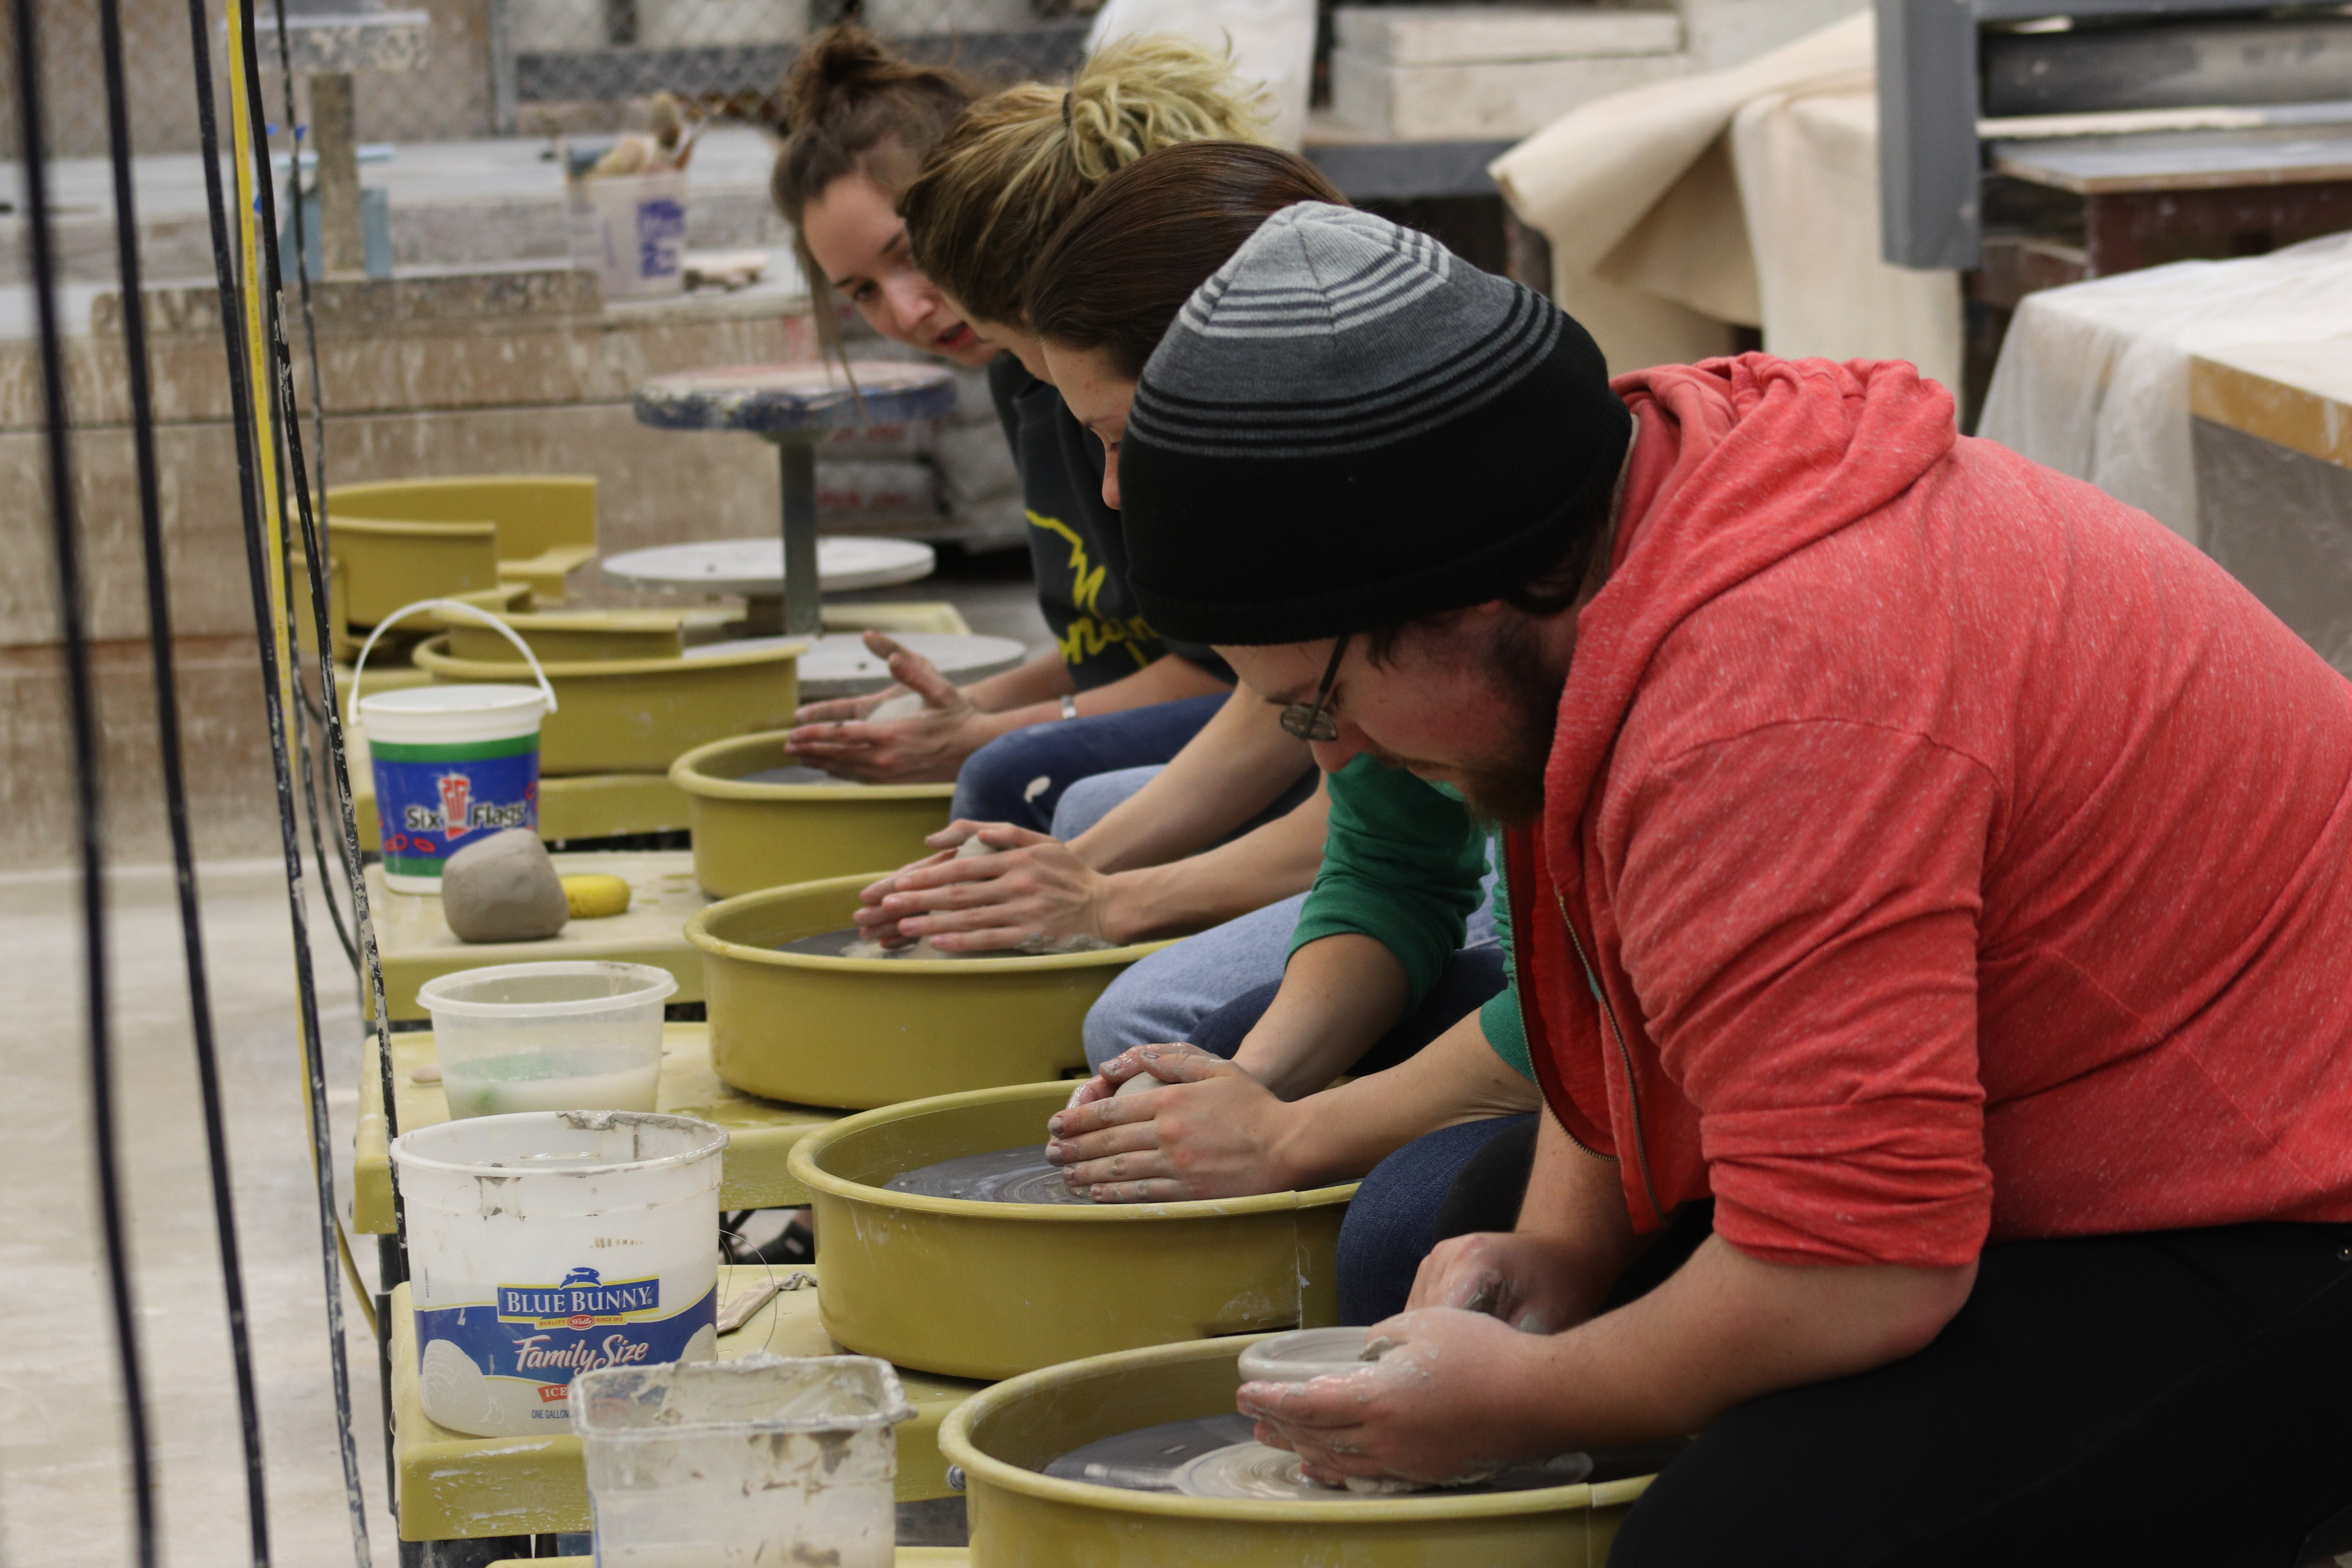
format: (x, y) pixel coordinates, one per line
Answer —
(1745, 196)
(2093, 378)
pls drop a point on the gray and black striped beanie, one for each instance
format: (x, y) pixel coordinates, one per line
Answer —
(1348, 427)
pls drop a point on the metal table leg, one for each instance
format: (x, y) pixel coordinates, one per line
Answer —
(796, 454)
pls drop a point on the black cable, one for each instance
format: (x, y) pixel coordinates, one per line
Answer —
(302, 272)
(314, 530)
(241, 401)
(282, 417)
(175, 784)
(82, 698)
(316, 562)
(269, 294)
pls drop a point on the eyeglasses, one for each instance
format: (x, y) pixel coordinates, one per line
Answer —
(1309, 720)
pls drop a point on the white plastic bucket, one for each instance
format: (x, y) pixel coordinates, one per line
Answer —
(451, 762)
(548, 1244)
(764, 1459)
(630, 230)
(580, 1035)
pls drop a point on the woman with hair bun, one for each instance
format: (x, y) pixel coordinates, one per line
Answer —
(864, 122)
(859, 122)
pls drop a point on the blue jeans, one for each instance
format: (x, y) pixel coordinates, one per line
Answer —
(1019, 778)
(1414, 1199)
(1168, 996)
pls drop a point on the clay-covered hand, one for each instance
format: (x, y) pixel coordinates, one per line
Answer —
(928, 747)
(1444, 1405)
(1531, 1282)
(877, 926)
(1034, 891)
(1209, 1130)
(841, 709)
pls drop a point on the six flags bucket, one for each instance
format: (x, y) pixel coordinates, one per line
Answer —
(452, 763)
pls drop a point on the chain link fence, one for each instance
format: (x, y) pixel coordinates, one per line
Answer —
(535, 68)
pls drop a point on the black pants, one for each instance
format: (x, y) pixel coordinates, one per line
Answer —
(2177, 1399)
(2174, 1399)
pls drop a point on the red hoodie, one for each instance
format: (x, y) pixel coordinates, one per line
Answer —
(1961, 853)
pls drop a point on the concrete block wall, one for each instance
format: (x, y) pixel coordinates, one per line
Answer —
(417, 387)
(1481, 72)
(1469, 72)
(450, 100)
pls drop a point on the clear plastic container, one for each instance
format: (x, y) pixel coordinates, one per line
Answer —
(763, 1459)
(580, 1035)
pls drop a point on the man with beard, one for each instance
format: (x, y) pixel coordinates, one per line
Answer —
(1931, 884)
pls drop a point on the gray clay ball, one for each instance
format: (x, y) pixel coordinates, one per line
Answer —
(504, 889)
(906, 705)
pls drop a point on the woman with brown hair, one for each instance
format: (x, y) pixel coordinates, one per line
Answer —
(1358, 975)
(1127, 878)
(1368, 972)
(859, 122)
(862, 123)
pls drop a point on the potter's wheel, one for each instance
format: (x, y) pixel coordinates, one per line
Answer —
(1001, 1176)
(795, 774)
(851, 942)
(1216, 1457)
(1147, 1460)
(1252, 1470)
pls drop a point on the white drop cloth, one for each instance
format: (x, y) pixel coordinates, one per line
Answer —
(1745, 196)
(2093, 378)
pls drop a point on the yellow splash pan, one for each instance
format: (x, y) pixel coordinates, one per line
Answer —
(991, 1290)
(1020, 1518)
(570, 636)
(638, 715)
(862, 1032)
(750, 835)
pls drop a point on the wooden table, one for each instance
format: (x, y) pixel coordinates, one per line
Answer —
(457, 1487)
(760, 1132)
(2272, 428)
(416, 945)
(2296, 395)
(793, 406)
(2246, 186)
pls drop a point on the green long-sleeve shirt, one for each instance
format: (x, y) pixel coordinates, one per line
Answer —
(1401, 864)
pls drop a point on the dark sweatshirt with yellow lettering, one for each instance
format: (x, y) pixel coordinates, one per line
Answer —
(1073, 538)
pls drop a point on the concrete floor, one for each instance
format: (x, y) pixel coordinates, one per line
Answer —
(64, 1493)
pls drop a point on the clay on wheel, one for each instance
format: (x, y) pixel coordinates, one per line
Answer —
(1022, 1175)
(504, 889)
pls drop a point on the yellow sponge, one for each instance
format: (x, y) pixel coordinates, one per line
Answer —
(593, 897)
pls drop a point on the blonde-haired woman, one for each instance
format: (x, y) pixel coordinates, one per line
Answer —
(993, 188)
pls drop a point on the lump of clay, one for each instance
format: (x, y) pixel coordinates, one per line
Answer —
(852, 943)
(921, 950)
(906, 705)
(504, 889)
